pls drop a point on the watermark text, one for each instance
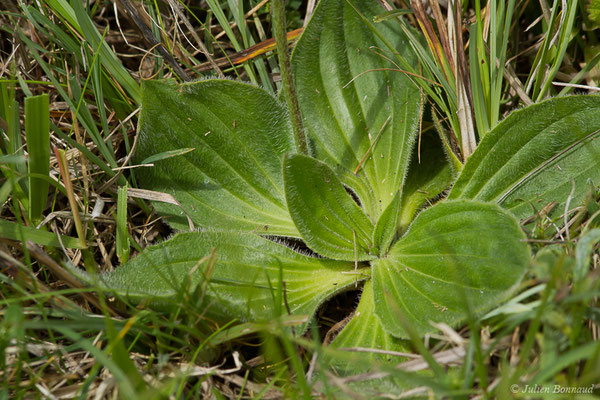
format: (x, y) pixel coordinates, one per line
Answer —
(552, 389)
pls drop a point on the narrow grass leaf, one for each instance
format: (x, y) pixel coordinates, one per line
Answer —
(76, 15)
(14, 231)
(64, 171)
(166, 154)
(122, 232)
(566, 28)
(391, 15)
(219, 13)
(37, 131)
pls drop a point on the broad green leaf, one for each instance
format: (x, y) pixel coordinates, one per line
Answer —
(457, 257)
(347, 91)
(328, 219)
(245, 281)
(122, 239)
(429, 174)
(364, 331)
(233, 178)
(534, 155)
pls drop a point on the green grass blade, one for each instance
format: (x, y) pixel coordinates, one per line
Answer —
(504, 29)
(122, 234)
(216, 8)
(563, 41)
(87, 123)
(248, 40)
(75, 14)
(479, 108)
(10, 114)
(582, 74)
(37, 131)
(166, 154)
(537, 73)
(14, 231)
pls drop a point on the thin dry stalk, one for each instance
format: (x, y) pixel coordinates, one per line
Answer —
(463, 88)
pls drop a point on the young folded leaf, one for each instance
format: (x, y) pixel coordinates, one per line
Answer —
(458, 258)
(328, 219)
(429, 174)
(387, 226)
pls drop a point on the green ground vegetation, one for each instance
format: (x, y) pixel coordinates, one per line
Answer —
(72, 204)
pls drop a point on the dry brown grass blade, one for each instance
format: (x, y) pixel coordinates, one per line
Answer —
(428, 31)
(439, 19)
(463, 89)
(310, 8)
(516, 84)
(64, 170)
(177, 9)
(249, 53)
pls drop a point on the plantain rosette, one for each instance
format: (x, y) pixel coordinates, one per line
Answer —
(354, 200)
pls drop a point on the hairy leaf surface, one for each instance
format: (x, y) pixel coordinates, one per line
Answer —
(365, 331)
(535, 155)
(328, 219)
(457, 257)
(232, 179)
(343, 112)
(387, 226)
(244, 282)
(429, 175)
